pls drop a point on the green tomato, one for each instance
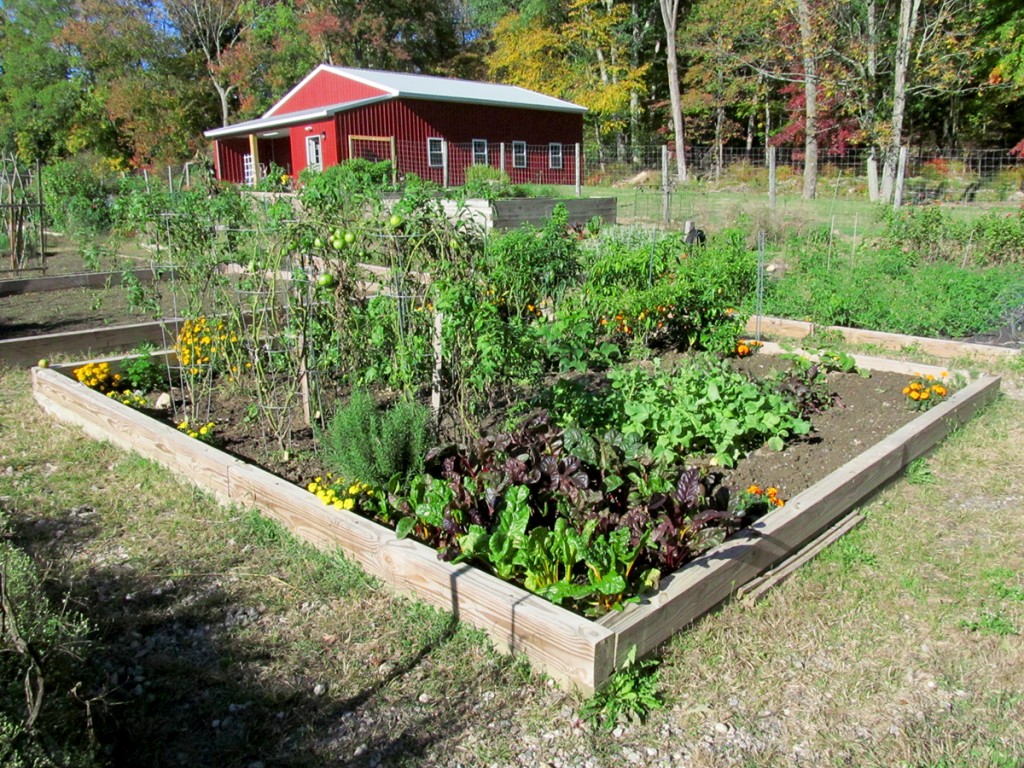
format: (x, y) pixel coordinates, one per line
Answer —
(326, 280)
(395, 220)
(44, 363)
(350, 237)
(318, 243)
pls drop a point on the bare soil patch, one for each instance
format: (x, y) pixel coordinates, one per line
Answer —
(866, 410)
(78, 309)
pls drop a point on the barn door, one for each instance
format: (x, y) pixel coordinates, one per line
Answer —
(315, 153)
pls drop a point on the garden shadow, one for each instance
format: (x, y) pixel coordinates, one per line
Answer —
(179, 671)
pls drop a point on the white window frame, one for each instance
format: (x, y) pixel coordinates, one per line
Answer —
(315, 152)
(519, 156)
(555, 160)
(435, 152)
(480, 152)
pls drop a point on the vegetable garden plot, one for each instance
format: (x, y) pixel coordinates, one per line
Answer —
(570, 648)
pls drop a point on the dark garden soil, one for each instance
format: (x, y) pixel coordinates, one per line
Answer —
(866, 410)
(77, 309)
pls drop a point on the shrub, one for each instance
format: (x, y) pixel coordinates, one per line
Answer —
(75, 198)
(362, 443)
(340, 186)
(487, 182)
(39, 725)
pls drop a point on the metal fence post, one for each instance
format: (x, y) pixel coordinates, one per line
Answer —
(664, 184)
(579, 172)
(771, 177)
(445, 181)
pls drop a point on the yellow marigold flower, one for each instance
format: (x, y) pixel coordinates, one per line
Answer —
(925, 394)
(906, 390)
(348, 504)
(939, 390)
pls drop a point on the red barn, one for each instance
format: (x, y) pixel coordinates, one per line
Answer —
(434, 127)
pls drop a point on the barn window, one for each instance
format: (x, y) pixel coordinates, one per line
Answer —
(518, 154)
(435, 153)
(479, 151)
(314, 153)
(554, 155)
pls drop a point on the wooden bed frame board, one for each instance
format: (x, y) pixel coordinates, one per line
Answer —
(944, 349)
(569, 648)
(18, 286)
(28, 350)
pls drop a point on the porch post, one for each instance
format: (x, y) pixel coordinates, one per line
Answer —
(254, 150)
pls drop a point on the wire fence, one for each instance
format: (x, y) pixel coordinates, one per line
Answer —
(950, 176)
(964, 175)
(724, 185)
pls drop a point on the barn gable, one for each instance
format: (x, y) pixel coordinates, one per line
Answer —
(323, 87)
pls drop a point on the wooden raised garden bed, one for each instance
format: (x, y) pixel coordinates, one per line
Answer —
(28, 350)
(21, 285)
(568, 647)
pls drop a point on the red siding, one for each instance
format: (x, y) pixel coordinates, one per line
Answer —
(413, 121)
(324, 89)
(230, 154)
(328, 130)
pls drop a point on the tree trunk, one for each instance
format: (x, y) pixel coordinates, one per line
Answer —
(670, 17)
(872, 46)
(810, 98)
(223, 93)
(909, 13)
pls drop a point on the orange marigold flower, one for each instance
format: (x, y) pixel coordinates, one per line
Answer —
(755, 490)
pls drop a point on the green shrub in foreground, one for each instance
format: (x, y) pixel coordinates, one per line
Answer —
(39, 643)
(363, 443)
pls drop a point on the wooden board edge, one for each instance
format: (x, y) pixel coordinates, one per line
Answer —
(941, 348)
(92, 280)
(27, 350)
(758, 587)
(103, 418)
(568, 647)
(713, 577)
(868, 362)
